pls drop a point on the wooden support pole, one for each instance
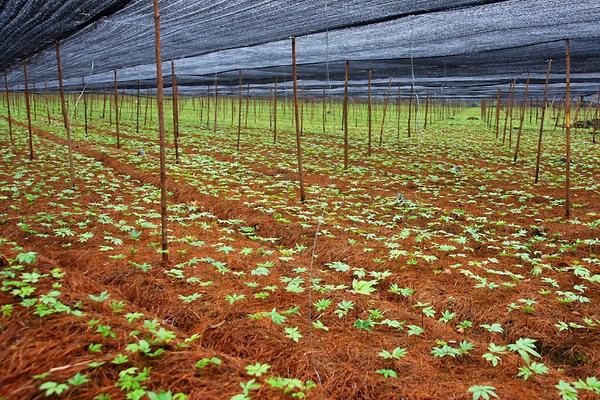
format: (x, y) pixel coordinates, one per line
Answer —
(507, 111)
(65, 114)
(398, 114)
(208, 106)
(595, 122)
(175, 111)
(275, 112)
(369, 114)
(247, 106)
(346, 77)
(137, 108)
(216, 105)
(385, 104)
(161, 129)
(302, 110)
(297, 120)
(10, 131)
(568, 128)
(85, 108)
(544, 102)
(324, 110)
(426, 109)
(46, 95)
(117, 110)
(239, 130)
(410, 109)
(498, 107)
(523, 107)
(28, 106)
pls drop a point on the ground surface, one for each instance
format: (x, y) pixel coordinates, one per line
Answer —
(432, 267)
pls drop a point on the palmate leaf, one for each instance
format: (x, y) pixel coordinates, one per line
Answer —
(482, 392)
(293, 333)
(388, 373)
(257, 369)
(338, 266)
(566, 391)
(397, 353)
(363, 287)
(53, 388)
(524, 347)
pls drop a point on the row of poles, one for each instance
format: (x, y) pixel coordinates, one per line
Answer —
(297, 118)
(486, 113)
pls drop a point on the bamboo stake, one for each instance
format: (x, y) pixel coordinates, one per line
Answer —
(137, 108)
(410, 109)
(117, 110)
(426, 109)
(544, 101)
(66, 121)
(239, 130)
(28, 105)
(46, 95)
(521, 121)
(297, 120)
(346, 76)
(216, 105)
(369, 114)
(324, 106)
(175, 112)
(568, 128)
(275, 112)
(508, 111)
(498, 107)
(595, 122)
(10, 131)
(85, 114)
(385, 104)
(247, 106)
(161, 128)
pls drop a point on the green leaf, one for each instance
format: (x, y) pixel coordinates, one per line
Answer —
(293, 333)
(397, 353)
(363, 287)
(566, 391)
(78, 379)
(53, 388)
(202, 363)
(388, 373)
(482, 392)
(257, 369)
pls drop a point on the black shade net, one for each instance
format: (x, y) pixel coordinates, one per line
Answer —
(464, 49)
